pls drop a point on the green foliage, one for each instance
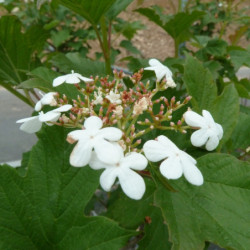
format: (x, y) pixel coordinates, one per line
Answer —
(73, 61)
(90, 10)
(197, 214)
(154, 233)
(201, 86)
(44, 208)
(117, 7)
(16, 55)
(177, 26)
(45, 203)
(238, 140)
(128, 29)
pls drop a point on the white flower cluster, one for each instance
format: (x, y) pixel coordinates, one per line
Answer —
(101, 145)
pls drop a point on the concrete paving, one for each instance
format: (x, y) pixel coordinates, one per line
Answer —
(13, 142)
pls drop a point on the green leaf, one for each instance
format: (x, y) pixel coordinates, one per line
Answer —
(200, 84)
(152, 14)
(155, 233)
(217, 212)
(59, 37)
(225, 110)
(117, 8)
(44, 209)
(214, 67)
(16, 49)
(241, 132)
(202, 88)
(130, 213)
(240, 57)
(74, 61)
(129, 46)
(178, 26)
(128, 29)
(216, 47)
(91, 10)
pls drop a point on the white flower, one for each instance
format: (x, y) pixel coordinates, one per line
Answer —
(47, 99)
(72, 78)
(93, 137)
(33, 124)
(161, 71)
(113, 97)
(131, 183)
(209, 133)
(118, 111)
(141, 105)
(98, 97)
(176, 163)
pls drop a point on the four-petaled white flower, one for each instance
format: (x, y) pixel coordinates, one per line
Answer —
(47, 99)
(131, 183)
(209, 133)
(94, 137)
(161, 71)
(113, 97)
(176, 163)
(34, 123)
(72, 78)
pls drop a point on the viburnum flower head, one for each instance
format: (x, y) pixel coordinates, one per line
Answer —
(161, 71)
(131, 183)
(93, 136)
(209, 133)
(33, 124)
(47, 99)
(72, 78)
(176, 162)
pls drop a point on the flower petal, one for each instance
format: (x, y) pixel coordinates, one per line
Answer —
(30, 125)
(59, 80)
(154, 62)
(212, 143)
(195, 120)
(192, 173)
(168, 144)
(199, 137)
(219, 130)
(63, 108)
(186, 157)
(111, 133)
(81, 154)
(107, 178)
(38, 106)
(171, 168)
(96, 163)
(155, 151)
(135, 161)
(132, 183)
(50, 116)
(83, 78)
(48, 98)
(108, 152)
(206, 114)
(93, 123)
(72, 79)
(79, 135)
